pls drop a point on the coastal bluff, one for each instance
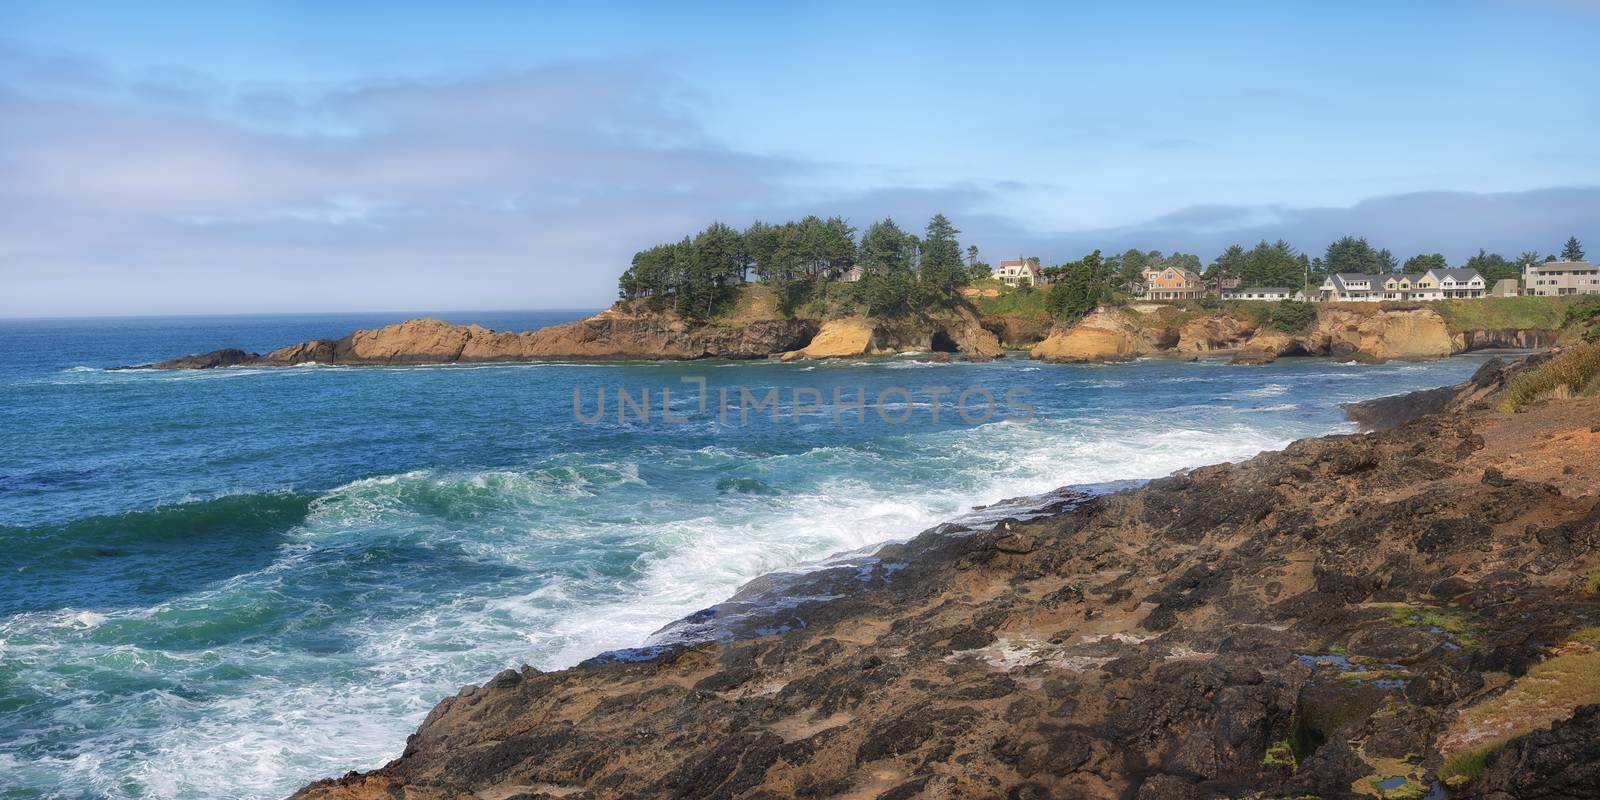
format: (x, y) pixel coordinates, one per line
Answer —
(1363, 615)
(607, 335)
(1363, 334)
(617, 333)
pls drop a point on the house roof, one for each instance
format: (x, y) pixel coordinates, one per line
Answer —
(1459, 275)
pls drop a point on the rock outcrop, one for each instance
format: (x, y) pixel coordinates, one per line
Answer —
(606, 335)
(1375, 335)
(1105, 335)
(1369, 334)
(1309, 622)
(959, 331)
(1212, 333)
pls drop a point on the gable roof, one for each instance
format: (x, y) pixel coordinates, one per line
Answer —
(1458, 275)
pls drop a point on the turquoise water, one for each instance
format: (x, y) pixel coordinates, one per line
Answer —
(228, 583)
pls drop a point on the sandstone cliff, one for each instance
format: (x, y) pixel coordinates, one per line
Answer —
(1105, 335)
(610, 334)
(615, 334)
(1378, 335)
(958, 331)
(1354, 616)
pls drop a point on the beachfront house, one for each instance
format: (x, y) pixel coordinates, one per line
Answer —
(1449, 284)
(1558, 278)
(1019, 272)
(1435, 284)
(1505, 287)
(1351, 287)
(1173, 283)
(1261, 293)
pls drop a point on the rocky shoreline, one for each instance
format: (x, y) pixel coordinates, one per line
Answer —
(1107, 335)
(1359, 333)
(1378, 615)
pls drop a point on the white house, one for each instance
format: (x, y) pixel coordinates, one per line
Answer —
(1347, 287)
(1019, 271)
(1262, 293)
(1450, 284)
(1435, 284)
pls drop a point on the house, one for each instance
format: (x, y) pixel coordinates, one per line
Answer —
(1019, 271)
(1449, 284)
(1262, 293)
(1173, 283)
(851, 275)
(1396, 287)
(1435, 284)
(1505, 287)
(1558, 278)
(1348, 287)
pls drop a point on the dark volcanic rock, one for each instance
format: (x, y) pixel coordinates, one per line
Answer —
(1318, 621)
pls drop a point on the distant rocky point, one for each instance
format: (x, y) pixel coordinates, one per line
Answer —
(1108, 334)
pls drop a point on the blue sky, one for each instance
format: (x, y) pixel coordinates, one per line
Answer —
(491, 155)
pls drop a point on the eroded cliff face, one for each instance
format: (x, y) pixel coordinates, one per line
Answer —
(1105, 335)
(1344, 618)
(955, 332)
(1377, 335)
(624, 335)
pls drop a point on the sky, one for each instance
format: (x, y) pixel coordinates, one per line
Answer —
(245, 157)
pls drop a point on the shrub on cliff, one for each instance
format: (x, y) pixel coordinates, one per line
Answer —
(1292, 316)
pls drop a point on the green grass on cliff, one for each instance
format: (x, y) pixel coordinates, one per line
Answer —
(1574, 372)
(1014, 303)
(1503, 313)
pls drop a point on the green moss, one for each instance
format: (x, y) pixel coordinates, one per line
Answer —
(1460, 631)
(1281, 753)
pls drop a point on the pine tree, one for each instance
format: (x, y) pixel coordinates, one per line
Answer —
(887, 284)
(1572, 250)
(941, 272)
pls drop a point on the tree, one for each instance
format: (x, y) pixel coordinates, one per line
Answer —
(1130, 268)
(1276, 264)
(1493, 266)
(972, 255)
(1387, 262)
(1572, 250)
(941, 271)
(1079, 289)
(1423, 263)
(1350, 254)
(887, 286)
(1529, 257)
(1229, 264)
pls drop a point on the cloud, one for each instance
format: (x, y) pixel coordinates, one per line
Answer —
(524, 189)
(168, 193)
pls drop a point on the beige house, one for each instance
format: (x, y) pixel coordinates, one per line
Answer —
(1019, 272)
(1558, 278)
(1505, 287)
(1173, 283)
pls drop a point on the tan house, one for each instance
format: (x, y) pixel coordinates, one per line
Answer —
(1505, 287)
(1558, 278)
(1172, 283)
(1019, 272)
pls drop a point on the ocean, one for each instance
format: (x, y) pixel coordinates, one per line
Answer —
(225, 584)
